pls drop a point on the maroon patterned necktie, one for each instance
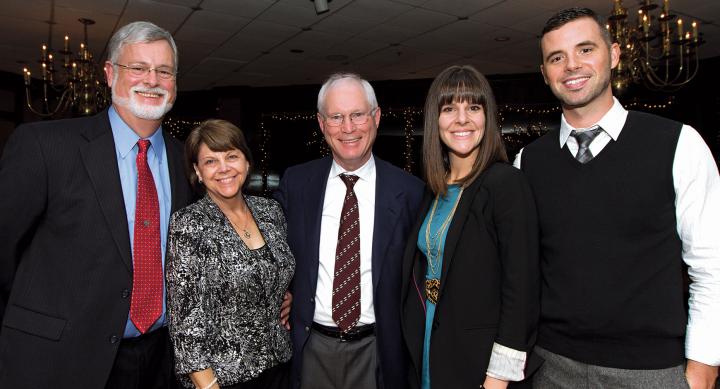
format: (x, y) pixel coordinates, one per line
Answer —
(346, 284)
(147, 293)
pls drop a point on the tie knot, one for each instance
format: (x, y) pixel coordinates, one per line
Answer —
(143, 145)
(584, 138)
(349, 180)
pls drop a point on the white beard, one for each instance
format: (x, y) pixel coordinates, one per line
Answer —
(140, 110)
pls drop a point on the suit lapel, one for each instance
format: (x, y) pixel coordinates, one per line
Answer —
(178, 181)
(410, 260)
(313, 198)
(387, 203)
(456, 227)
(99, 157)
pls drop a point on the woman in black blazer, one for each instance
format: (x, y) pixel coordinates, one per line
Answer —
(471, 295)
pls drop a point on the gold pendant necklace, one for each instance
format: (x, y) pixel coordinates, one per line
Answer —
(244, 229)
(432, 285)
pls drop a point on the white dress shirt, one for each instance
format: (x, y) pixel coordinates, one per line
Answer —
(697, 207)
(330, 224)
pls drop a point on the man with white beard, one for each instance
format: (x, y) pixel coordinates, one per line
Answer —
(84, 210)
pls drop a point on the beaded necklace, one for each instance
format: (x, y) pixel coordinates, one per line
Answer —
(432, 285)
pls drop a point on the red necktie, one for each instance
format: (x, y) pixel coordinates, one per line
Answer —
(147, 293)
(346, 284)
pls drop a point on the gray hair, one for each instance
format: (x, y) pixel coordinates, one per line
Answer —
(139, 32)
(337, 77)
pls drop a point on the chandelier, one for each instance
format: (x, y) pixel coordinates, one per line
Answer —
(657, 51)
(76, 87)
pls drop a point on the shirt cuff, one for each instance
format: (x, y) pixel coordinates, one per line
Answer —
(506, 364)
(701, 344)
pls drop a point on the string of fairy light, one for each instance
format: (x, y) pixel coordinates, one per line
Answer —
(411, 118)
(177, 127)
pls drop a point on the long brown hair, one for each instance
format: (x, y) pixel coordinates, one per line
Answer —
(459, 84)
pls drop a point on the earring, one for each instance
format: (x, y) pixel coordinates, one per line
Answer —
(200, 180)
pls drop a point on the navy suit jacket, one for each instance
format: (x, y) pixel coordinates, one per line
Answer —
(65, 259)
(397, 198)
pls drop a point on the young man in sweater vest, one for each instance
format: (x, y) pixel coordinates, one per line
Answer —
(624, 198)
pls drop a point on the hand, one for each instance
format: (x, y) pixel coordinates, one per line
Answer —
(494, 383)
(285, 310)
(700, 375)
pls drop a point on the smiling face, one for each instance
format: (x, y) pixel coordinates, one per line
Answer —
(147, 97)
(462, 126)
(222, 172)
(351, 144)
(577, 64)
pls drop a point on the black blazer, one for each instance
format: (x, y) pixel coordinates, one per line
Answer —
(489, 287)
(397, 197)
(65, 258)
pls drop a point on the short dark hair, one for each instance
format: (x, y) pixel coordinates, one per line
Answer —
(570, 14)
(217, 135)
(459, 83)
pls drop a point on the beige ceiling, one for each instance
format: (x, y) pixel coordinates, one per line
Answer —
(284, 42)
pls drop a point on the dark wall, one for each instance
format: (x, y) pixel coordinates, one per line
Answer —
(293, 139)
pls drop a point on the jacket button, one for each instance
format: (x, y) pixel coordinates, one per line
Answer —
(114, 339)
(307, 329)
(312, 300)
(125, 293)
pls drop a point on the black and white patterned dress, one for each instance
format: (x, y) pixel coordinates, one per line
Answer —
(224, 298)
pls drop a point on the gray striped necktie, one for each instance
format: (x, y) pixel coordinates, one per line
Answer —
(584, 139)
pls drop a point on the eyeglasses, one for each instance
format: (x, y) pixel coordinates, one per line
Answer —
(164, 73)
(356, 118)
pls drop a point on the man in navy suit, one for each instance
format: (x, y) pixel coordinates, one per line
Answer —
(329, 353)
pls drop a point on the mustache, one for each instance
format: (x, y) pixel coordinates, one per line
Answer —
(142, 89)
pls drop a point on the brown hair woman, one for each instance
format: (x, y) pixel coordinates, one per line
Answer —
(470, 300)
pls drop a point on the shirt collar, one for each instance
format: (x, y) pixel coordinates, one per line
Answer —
(612, 123)
(364, 172)
(125, 138)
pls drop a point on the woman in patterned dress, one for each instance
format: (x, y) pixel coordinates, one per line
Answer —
(228, 269)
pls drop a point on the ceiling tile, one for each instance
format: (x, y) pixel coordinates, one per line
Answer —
(217, 21)
(208, 36)
(374, 11)
(297, 14)
(420, 20)
(243, 8)
(387, 34)
(459, 7)
(344, 25)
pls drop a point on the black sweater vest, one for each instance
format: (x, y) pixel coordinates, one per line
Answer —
(612, 292)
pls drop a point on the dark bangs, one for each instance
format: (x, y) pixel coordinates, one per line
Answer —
(461, 85)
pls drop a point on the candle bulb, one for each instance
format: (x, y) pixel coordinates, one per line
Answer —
(44, 71)
(74, 70)
(645, 24)
(666, 7)
(680, 29)
(27, 78)
(44, 52)
(695, 31)
(66, 47)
